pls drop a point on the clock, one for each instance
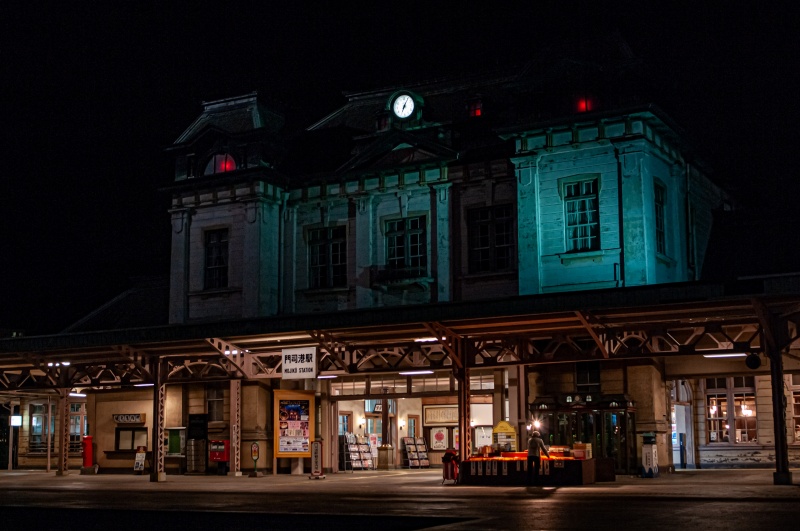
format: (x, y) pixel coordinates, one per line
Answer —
(403, 106)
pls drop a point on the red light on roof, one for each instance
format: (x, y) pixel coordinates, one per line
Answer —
(226, 163)
(585, 105)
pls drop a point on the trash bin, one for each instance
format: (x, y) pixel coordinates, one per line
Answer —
(649, 456)
(450, 466)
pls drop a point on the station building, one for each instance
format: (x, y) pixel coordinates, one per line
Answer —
(524, 245)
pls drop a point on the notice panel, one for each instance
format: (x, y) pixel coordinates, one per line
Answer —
(294, 427)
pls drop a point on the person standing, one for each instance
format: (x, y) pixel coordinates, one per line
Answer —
(535, 447)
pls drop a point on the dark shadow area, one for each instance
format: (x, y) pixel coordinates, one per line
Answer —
(124, 520)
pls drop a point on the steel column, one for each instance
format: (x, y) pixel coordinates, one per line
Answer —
(236, 428)
(464, 415)
(63, 432)
(158, 472)
(775, 339)
(782, 475)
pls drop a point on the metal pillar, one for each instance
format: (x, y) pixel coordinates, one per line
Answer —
(63, 432)
(49, 433)
(775, 337)
(236, 428)
(158, 471)
(782, 475)
(464, 415)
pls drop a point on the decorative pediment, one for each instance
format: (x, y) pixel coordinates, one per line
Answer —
(398, 149)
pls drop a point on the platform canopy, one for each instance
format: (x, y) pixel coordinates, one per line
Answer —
(653, 321)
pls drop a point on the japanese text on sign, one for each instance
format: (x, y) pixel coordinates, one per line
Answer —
(299, 363)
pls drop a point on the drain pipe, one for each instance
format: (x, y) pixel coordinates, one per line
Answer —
(621, 221)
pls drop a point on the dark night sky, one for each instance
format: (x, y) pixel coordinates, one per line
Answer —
(93, 92)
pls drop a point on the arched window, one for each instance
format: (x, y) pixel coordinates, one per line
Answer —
(220, 163)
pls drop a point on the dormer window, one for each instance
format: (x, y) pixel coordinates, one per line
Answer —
(475, 108)
(382, 122)
(220, 163)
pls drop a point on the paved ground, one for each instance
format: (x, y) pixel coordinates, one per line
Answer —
(713, 499)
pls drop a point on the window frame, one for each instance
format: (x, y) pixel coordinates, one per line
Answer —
(135, 433)
(216, 259)
(218, 163)
(37, 442)
(587, 377)
(215, 394)
(795, 391)
(736, 393)
(78, 426)
(486, 226)
(410, 235)
(581, 199)
(327, 257)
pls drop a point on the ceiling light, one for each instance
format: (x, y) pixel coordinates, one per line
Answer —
(413, 373)
(426, 339)
(326, 376)
(735, 355)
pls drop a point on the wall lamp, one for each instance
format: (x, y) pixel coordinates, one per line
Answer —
(402, 423)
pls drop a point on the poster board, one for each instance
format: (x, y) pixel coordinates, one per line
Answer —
(294, 420)
(138, 463)
(438, 438)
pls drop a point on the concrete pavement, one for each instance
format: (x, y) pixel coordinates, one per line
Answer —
(747, 484)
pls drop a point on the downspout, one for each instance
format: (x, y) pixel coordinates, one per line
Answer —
(281, 253)
(690, 249)
(620, 209)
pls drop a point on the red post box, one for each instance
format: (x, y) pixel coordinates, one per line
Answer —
(220, 451)
(86, 448)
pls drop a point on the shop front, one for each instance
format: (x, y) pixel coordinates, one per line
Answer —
(607, 422)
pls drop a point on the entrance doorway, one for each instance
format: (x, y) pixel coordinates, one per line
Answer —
(611, 432)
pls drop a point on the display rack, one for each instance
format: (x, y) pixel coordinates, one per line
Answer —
(354, 455)
(415, 454)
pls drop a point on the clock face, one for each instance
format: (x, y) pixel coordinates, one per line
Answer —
(403, 106)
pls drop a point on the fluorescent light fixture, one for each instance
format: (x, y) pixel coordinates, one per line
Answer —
(16, 421)
(78, 394)
(736, 355)
(143, 385)
(426, 339)
(326, 376)
(414, 373)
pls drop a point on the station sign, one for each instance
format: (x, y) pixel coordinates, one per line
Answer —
(299, 363)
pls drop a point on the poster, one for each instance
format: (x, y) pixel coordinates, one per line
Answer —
(294, 411)
(439, 438)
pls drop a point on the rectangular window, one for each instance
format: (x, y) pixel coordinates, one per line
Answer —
(475, 108)
(345, 423)
(328, 257)
(407, 246)
(130, 438)
(731, 410)
(582, 217)
(587, 377)
(491, 239)
(37, 441)
(78, 425)
(795, 427)
(216, 266)
(660, 201)
(215, 399)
